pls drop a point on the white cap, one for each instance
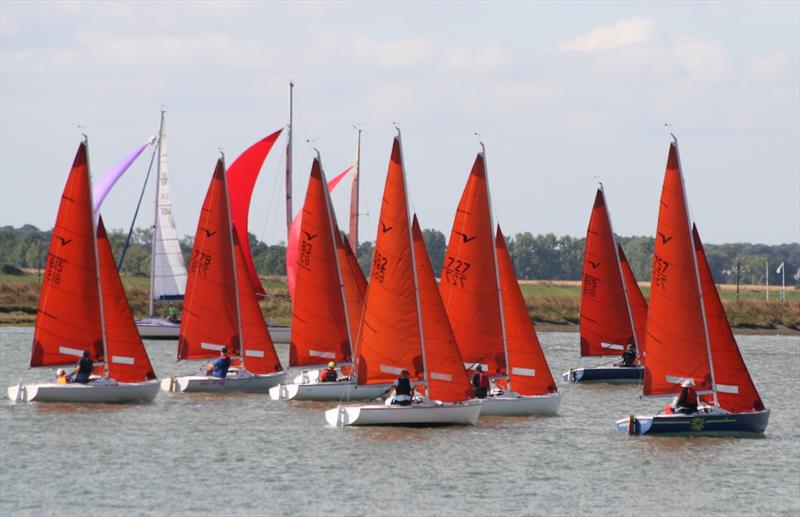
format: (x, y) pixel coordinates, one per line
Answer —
(688, 383)
(61, 371)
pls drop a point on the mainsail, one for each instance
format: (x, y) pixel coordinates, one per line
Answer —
(209, 320)
(469, 284)
(676, 331)
(319, 322)
(68, 317)
(389, 340)
(605, 319)
(167, 270)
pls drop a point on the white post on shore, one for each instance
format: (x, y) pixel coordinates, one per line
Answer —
(782, 270)
(766, 281)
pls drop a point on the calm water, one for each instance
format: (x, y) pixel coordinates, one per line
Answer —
(247, 455)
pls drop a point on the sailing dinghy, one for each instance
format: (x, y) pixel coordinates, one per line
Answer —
(613, 310)
(82, 306)
(487, 310)
(688, 335)
(328, 300)
(405, 327)
(220, 309)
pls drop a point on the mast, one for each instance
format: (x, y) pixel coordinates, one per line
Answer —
(354, 199)
(497, 271)
(106, 359)
(233, 262)
(289, 164)
(414, 270)
(619, 268)
(697, 277)
(334, 240)
(155, 218)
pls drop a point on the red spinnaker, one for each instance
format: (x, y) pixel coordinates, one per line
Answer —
(242, 175)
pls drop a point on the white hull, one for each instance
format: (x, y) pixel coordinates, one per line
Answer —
(425, 413)
(203, 383)
(513, 404)
(156, 328)
(122, 393)
(327, 391)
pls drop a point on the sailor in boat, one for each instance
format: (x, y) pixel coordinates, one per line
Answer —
(173, 315)
(480, 382)
(627, 358)
(61, 376)
(329, 374)
(83, 370)
(402, 390)
(686, 401)
(219, 368)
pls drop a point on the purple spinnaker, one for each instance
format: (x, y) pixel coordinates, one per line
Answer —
(107, 181)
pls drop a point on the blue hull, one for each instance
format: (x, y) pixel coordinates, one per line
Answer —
(609, 374)
(696, 424)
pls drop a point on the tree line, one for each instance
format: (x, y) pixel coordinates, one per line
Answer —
(535, 257)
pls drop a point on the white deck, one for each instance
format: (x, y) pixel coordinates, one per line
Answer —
(105, 392)
(425, 413)
(245, 382)
(513, 404)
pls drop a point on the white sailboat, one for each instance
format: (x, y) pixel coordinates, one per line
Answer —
(167, 268)
(404, 327)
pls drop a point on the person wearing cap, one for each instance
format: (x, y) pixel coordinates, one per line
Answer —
(329, 374)
(83, 370)
(402, 390)
(480, 382)
(628, 356)
(686, 401)
(61, 376)
(219, 368)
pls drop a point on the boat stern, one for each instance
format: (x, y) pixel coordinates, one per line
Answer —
(342, 416)
(635, 424)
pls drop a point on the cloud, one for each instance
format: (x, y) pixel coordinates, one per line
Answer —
(701, 59)
(393, 55)
(487, 57)
(629, 31)
(766, 68)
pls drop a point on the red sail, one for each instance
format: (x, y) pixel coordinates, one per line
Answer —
(127, 358)
(469, 278)
(355, 284)
(676, 339)
(735, 389)
(242, 175)
(292, 246)
(209, 320)
(389, 340)
(605, 324)
(636, 300)
(529, 371)
(446, 377)
(68, 317)
(319, 325)
(258, 351)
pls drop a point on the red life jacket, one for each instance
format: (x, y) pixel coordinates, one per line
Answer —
(484, 381)
(691, 397)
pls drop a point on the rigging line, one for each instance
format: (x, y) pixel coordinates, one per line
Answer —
(136, 213)
(271, 199)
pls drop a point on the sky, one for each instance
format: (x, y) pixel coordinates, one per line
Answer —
(562, 94)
